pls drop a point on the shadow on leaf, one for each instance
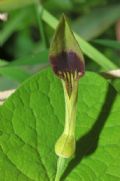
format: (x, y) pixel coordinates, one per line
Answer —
(88, 143)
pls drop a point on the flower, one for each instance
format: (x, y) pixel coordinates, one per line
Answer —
(68, 64)
(65, 55)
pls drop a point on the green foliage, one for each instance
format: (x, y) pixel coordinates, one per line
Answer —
(33, 117)
(12, 25)
(23, 45)
(8, 5)
(7, 83)
(109, 43)
(14, 73)
(96, 22)
(33, 59)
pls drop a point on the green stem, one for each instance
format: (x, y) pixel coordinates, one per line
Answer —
(39, 12)
(60, 168)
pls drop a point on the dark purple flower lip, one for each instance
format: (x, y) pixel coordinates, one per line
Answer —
(69, 67)
(67, 64)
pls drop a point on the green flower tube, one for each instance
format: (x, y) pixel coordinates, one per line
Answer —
(65, 146)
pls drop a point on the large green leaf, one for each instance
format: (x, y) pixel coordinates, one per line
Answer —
(32, 119)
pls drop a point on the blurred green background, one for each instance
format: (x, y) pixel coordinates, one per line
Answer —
(25, 37)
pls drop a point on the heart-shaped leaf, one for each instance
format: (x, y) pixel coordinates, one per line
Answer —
(32, 119)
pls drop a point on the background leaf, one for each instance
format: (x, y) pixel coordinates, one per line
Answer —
(33, 117)
(14, 73)
(96, 22)
(108, 43)
(12, 25)
(7, 5)
(7, 83)
(33, 59)
(3, 62)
